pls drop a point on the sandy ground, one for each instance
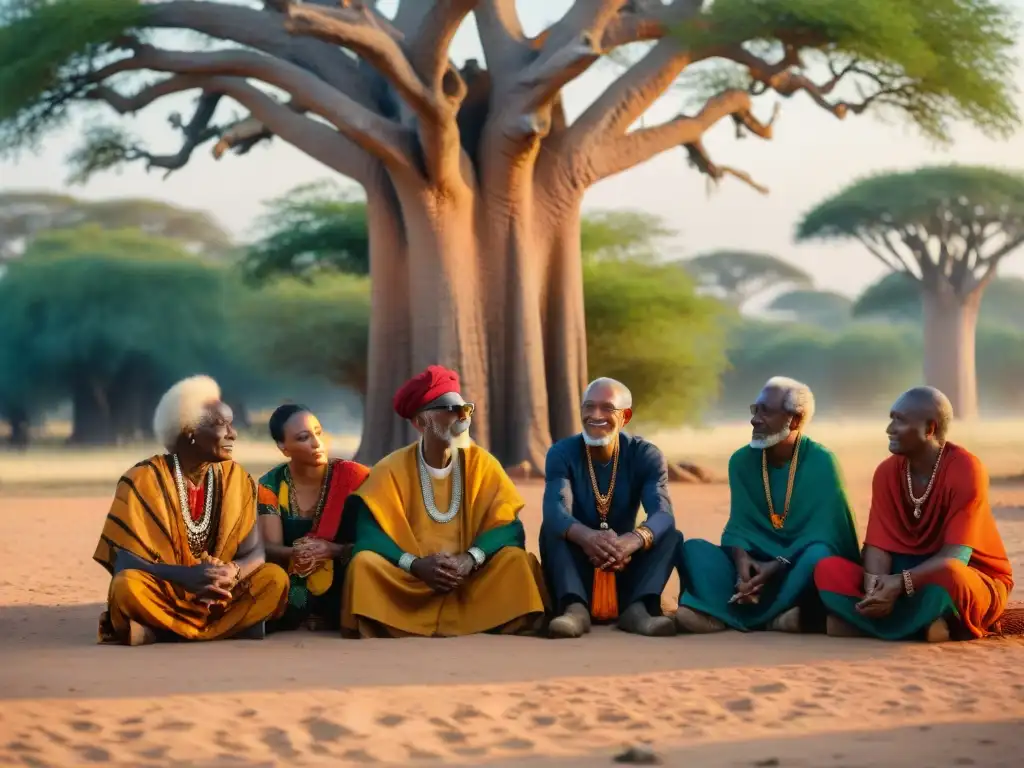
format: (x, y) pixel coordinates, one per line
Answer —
(311, 700)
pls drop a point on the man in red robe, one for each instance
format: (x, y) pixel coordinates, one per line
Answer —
(933, 557)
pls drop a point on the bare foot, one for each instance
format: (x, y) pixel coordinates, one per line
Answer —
(697, 623)
(140, 634)
(836, 627)
(937, 632)
(788, 621)
(575, 622)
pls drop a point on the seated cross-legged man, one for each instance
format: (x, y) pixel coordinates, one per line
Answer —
(439, 548)
(788, 511)
(934, 562)
(599, 563)
(181, 540)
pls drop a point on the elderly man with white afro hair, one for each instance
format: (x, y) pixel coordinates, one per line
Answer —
(180, 542)
(788, 512)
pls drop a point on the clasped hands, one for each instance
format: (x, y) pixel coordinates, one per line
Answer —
(215, 579)
(880, 595)
(752, 575)
(609, 551)
(443, 572)
(308, 552)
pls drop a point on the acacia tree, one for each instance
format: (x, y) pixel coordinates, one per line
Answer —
(947, 229)
(475, 177)
(738, 276)
(826, 308)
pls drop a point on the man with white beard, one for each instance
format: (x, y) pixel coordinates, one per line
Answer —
(596, 555)
(439, 548)
(788, 511)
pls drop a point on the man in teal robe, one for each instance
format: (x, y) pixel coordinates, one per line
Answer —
(788, 511)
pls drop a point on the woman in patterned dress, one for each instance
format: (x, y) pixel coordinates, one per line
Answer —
(300, 505)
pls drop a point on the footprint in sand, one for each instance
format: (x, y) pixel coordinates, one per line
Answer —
(358, 756)
(83, 726)
(93, 754)
(277, 741)
(325, 730)
(768, 688)
(390, 721)
(517, 745)
(420, 754)
(175, 726)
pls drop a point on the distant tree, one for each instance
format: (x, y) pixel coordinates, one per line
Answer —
(623, 235)
(311, 228)
(824, 308)
(112, 317)
(25, 214)
(648, 327)
(947, 229)
(738, 276)
(476, 176)
(898, 297)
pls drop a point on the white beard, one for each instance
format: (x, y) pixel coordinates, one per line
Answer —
(771, 440)
(457, 435)
(598, 442)
(461, 441)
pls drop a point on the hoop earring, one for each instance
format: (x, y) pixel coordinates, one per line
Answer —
(192, 440)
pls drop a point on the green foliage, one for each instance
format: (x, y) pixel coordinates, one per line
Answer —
(886, 202)
(897, 297)
(47, 50)
(23, 215)
(311, 228)
(738, 276)
(622, 236)
(822, 308)
(933, 61)
(647, 326)
(316, 330)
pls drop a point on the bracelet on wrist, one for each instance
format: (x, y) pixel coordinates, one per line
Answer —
(908, 584)
(478, 556)
(405, 562)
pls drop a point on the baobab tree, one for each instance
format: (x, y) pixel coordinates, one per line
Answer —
(738, 276)
(946, 229)
(474, 174)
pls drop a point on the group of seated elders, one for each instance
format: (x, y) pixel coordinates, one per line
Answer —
(428, 542)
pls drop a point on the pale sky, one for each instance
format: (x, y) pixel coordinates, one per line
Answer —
(812, 156)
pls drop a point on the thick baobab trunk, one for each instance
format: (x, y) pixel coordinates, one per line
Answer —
(91, 422)
(950, 324)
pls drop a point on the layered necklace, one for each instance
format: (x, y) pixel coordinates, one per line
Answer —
(427, 488)
(318, 510)
(198, 530)
(779, 520)
(919, 502)
(604, 500)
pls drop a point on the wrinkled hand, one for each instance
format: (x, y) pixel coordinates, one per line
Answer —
(871, 582)
(440, 572)
(880, 601)
(601, 548)
(627, 545)
(210, 581)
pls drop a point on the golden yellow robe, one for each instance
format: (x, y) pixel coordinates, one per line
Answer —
(507, 588)
(145, 520)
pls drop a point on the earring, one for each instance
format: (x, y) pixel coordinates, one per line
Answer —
(192, 440)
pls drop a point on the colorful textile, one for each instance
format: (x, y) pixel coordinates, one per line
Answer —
(957, 514)
(423, 389)
(343, 477)
(642, 481)
(820, 523)
(392, 520)
(145, 520)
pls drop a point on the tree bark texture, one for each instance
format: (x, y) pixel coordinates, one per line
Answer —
(950, 325)
(474, 178)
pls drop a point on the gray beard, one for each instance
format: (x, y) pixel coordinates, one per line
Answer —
(770, 441)
(456, 436)
(598, 442)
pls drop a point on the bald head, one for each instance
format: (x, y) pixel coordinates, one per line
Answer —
(920, 416)
(609, 389)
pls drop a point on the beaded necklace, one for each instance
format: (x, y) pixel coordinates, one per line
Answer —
(427, 488)
(198, 530)
(293, 497)
(779, 520)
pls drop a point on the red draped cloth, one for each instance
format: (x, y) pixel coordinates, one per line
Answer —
(957, 513)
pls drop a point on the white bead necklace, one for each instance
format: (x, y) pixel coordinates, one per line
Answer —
(427, 488)
(198, 530)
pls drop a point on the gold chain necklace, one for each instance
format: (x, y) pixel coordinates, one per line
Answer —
(604, 502)
(318, 510)
(919, 502)
(777, 521)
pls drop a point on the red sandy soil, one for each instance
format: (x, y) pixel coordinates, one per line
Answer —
(309, 700)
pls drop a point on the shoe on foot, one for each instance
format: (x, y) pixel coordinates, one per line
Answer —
(140, 634)
(697, 623)
(575, 622)
(937, 632)
(836, 627)
(257, 631)
(789, 621)
(637, 620)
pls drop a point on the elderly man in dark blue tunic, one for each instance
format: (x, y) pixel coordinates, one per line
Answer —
(597, 556)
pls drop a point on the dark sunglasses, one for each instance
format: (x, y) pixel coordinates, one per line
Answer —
(466, 409)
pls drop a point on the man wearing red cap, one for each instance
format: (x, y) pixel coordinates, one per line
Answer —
(439, 548)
